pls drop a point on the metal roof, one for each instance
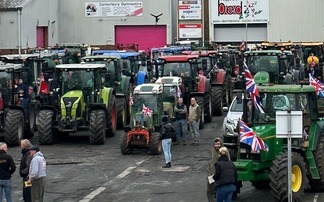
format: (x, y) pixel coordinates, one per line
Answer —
(11, 4)
(80, 66)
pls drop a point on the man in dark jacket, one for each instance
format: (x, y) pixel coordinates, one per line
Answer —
(225, 177)
(7, 168)
(167, 131)
(24, 167)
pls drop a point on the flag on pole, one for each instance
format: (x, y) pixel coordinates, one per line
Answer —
(243, 46)
(147, 111)
(131, 100)
(319, 87)
(252, 89)
(178, 92)
(247, 136)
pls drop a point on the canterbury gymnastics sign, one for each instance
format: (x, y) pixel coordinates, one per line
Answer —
(113, 9)
(239, 11)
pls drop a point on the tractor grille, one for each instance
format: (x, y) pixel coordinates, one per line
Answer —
(68, 102)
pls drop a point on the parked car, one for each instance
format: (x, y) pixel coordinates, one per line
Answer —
(235, 111)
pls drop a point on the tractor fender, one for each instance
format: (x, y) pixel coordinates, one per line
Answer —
(119, 95)
(125, 86)
(314, 138)
(106, 93)
(220, 77)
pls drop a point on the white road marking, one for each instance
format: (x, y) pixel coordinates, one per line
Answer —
(93, 194)
(316, 197)
(125, 172)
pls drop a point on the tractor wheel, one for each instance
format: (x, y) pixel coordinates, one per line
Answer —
(200, 102)
(155, 146)
(207, 107)
(318, 185)
(121, 112)
(45, 131)
(97, 126)
(124, 145)
(14, 127)
(217, 102)
(279, 176)
(261, 184)
(111, 117)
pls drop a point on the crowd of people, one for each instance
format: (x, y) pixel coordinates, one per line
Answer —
(32, 170)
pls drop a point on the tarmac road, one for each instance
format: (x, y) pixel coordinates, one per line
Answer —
(80, 172)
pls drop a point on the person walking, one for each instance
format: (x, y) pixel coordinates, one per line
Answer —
(7, 168)
(193, 120)
(167, 130)
(37, 174)
(225, 177)
(217, 144)
(181, 111)
(24, 167)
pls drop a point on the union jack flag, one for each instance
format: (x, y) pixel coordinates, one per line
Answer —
(319, 87)
(247, 136)
(146, 111)
(131, 100)
(242, 46)
(252, 89)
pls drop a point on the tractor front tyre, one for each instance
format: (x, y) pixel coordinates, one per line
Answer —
(155, 145)
(279, 176)
(318, 184)
(124, 145)
(97, 126)
(217, 100)
(45, 131)
(121, 112)
(111, 117)
(14, 127)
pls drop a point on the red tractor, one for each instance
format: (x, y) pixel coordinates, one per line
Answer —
(194, 82)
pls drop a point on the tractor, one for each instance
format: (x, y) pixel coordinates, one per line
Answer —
(266, 169)
(73, 52)
(84, 104)
(146, 119)
(195, 84)
(115, 79)
(15, 121)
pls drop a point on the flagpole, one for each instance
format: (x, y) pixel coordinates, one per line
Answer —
(246, 24)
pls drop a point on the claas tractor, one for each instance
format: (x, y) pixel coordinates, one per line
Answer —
(146, 118)
(194, 83)
(115, 79)
(84, 104)
(266, 169)
(16, 122)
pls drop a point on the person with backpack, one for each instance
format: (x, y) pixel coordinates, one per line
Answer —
(167, 130)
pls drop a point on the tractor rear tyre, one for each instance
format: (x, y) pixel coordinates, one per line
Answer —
(97, 126)
(207, 107)
(45, 131)
(111, 117)
(318, 185)
(121, 112)
(14, 127)
(279, 176)
(155, 146)
(200, 102)
(217, 100)
(124, 145)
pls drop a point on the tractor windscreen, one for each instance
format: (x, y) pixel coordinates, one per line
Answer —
(77, 80)
(279, 102)
(177, 69)
(268, 63)
(170, 94)
(147, 100)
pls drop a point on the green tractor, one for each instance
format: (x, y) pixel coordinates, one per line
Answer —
(84, 103)
(115, 79)
(15, 121)
(146, 118)
(269, 168)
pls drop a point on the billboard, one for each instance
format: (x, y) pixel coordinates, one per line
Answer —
(239, 11)
(113, 9)
(189, 10)
(190, 30)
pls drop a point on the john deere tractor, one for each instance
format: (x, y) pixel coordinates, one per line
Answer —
(195, 84)
(146, 117)
(269, 168)
(119, 82)
(84, 103)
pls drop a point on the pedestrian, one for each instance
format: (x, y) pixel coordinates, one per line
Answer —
(7, 168)
(181, 111)
(24, 96)
(217, 144)
(193, 120)
(167, 130)
(37, 174)
(24, 168)
(225, 177)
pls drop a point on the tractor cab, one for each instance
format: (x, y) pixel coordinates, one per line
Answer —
(74, 52)
(207, 58)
